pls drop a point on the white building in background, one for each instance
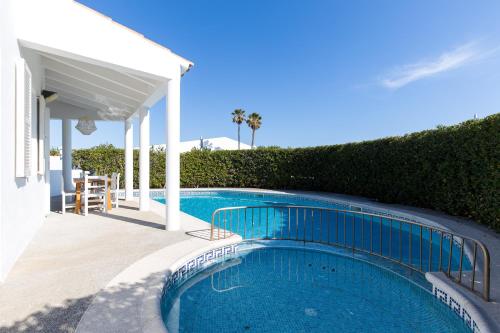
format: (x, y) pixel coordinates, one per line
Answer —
(98, 70)
(220, 143)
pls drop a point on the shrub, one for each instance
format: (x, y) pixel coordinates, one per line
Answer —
(54, 152)
(454, 169)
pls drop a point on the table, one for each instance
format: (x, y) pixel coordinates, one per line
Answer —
(79, 188)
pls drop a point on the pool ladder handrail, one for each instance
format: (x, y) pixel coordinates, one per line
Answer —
(455, 238)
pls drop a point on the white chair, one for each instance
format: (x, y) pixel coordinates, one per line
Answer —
(115, 188)
(95, 189)
(64, 195)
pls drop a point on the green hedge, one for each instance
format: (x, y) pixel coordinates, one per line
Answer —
(454, 169)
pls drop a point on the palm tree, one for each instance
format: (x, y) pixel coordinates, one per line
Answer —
(254, 121)
(238, 118)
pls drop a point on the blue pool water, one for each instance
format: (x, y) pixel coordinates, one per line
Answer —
(203, 204)
(410, 245)
(299, 290)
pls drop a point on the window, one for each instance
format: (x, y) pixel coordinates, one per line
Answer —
(23, 119)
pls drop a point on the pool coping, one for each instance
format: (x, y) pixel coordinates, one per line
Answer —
(150, 273)
(150, 313)
(460, 303)
(148, 309)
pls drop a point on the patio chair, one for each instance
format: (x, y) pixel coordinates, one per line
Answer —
(115, 188)
(95, 191)
(64, 195)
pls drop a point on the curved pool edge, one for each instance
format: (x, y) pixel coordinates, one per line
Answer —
(153, 273)
(462, 302)
(456, 299)
(130, 302)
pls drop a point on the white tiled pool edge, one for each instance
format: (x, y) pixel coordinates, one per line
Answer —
(460, 303)
(194, 259)
(147, 276)
(442, 288)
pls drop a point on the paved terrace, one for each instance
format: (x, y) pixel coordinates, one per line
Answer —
(74, 257)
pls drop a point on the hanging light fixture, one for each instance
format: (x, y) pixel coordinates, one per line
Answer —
(86, 126)
(49, 96)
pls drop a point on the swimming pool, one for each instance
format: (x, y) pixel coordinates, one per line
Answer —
(418, 248)
(301, 290)
(202, 204)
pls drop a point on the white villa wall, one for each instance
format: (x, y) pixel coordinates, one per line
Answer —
(22, 205)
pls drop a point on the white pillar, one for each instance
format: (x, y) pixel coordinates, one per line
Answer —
(144, 160)
(67, 158)
(46, 151)
(173, 127)
(129, 160)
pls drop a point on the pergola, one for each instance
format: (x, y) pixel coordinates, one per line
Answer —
(104, 71)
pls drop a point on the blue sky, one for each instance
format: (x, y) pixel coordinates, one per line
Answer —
(319, 72)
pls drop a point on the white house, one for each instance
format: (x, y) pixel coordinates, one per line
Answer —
(98, 70)
(220, 143)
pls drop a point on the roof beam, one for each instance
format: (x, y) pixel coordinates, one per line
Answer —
(90, 92)
(58, 77)
(89, 103)
(81, 103)
(62, 110)
(151, 83)
(124, 78)
(92, 77)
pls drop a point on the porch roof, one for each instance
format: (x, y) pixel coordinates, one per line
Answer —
(100, 69)
(95, 91)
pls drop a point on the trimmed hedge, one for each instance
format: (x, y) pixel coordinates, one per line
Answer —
(454, 169)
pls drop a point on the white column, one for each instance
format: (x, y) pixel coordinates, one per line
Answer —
(129, 160)
(144, 160)
(46, 151)
(67, 158)
(173, 127)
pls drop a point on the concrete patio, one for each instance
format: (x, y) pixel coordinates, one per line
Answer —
(72, 257)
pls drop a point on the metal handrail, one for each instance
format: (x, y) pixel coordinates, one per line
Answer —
(344, 223)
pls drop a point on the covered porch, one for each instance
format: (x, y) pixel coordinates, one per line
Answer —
(102, 70)
(89, 90)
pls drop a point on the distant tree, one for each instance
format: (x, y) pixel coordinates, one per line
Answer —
(54, 151)
(254, 121)
(238, 118)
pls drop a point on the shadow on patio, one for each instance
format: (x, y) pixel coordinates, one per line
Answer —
(124, 299)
